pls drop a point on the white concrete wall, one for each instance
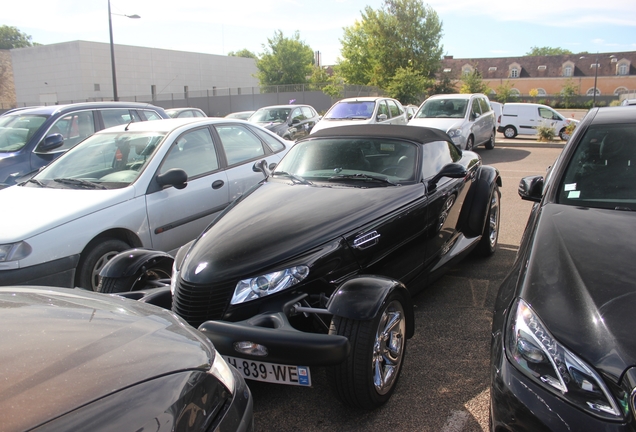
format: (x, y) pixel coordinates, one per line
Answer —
(70, 70)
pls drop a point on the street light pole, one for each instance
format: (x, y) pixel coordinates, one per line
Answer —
(112, 48)
(595, 78)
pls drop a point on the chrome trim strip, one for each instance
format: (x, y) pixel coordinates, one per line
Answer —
(366, 240)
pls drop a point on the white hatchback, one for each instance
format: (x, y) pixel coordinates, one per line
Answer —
(152, 184)
(363, 110)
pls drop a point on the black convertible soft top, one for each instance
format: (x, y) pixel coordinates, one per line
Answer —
(417, 134)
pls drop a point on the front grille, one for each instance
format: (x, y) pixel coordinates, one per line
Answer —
(199, 303)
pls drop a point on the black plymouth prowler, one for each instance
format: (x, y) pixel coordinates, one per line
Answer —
(316, 265)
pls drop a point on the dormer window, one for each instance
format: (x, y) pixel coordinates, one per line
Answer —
(542, 67)
(514, 73)
(447, 70)
(623, 69)
(492, 68)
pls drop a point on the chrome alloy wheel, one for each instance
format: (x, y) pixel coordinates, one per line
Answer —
(388, 349)
(493, 219)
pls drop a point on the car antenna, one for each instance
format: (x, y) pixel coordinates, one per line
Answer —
(128, 125)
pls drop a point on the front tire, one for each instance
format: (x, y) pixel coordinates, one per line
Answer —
(564, 136)
(490, 144)
(146, 279)
(490, 235)
(368, 377)
(94, 258)
(470, 141)
(510, 132)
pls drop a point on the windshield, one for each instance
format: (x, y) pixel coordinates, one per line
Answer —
(112, 160)
(16, 130)
(270, 115)
(602, 171)
(351, 110)
(443, 108)
(346, 159)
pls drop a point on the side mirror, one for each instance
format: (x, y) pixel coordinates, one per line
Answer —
(531, 188)
(262, 167)
(382, 117)
(51, 142)
(173, 177)
(452, 170)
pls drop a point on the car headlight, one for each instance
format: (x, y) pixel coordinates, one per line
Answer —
(222, 371)
(261, 286)
(14, 251)
(533, 350)
(454, 133)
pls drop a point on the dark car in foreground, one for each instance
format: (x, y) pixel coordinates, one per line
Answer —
(291, 122)
(74, 360)
(31, 138)
(563, 355)
(316, 265)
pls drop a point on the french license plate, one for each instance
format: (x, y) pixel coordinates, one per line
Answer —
(271, 372)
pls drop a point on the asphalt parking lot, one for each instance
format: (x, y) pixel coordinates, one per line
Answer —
(444, 385)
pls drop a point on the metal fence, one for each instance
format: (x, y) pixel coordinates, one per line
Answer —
(218, 102)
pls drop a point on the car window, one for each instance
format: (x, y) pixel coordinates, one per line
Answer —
(454, 152)
(113, 160)
(474, 108)
(273, 115)
(16, 130)
(393, 108)
(383, 109)
(443, 108)
(548, 114)
(150, 115)
(485, 106)
(308, 112)
(297, 114)
(322, 159)
(193, 152)
(197, 113)
(602, 171)
(116, 117)
(351, 110)
(74, 127)
(272, 142)
(239, 144)
(435, 156)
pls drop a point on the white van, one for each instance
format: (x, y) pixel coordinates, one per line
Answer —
(523, 119)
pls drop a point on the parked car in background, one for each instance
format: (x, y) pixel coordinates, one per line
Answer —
(410, 110)
(363, 110)
(32, 137)
(291, 122)
(498, 109)
(151, 184)
(185, 112)
(628, 102)
(241, 115)
(104, 363)
(563, 355)
(467, 118)
(523, 119)
(316, 265)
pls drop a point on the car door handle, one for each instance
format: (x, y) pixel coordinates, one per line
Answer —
(218, 184)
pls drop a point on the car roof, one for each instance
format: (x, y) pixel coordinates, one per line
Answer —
(282, 106)
(167, 125)
(363, 99)
(418, 134)
(183, 109)
(455, 96)
(617, 114)
(54, 109)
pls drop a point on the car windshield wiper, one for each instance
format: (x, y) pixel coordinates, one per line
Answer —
(361, 176)
(32, 180)
(296, 178)
(79, 182)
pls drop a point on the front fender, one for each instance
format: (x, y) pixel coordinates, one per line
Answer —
(361, 298)
(134, 261)
(477, 202)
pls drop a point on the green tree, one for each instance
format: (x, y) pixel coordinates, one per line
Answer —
(504, 92)
(322, 81)
(285, 61)
(543, 51)
(408, 86)
(445, 85)
(402, 34)
(243, 53)
(11, 37)
(568, 91)
(473, 83)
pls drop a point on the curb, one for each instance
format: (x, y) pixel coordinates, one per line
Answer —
(514, 143)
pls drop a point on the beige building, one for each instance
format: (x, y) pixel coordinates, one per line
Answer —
(616, 73)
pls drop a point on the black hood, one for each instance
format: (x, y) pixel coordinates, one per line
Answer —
(581, 281)
(279, 220)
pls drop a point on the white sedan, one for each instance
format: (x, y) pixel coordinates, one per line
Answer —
(148, 184)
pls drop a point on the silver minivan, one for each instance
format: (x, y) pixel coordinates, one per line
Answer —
(467, 118)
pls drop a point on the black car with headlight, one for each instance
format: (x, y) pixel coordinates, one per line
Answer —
(75, 360)
(563, 354)
(316, 265)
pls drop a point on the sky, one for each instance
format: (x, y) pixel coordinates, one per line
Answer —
(471, 28)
